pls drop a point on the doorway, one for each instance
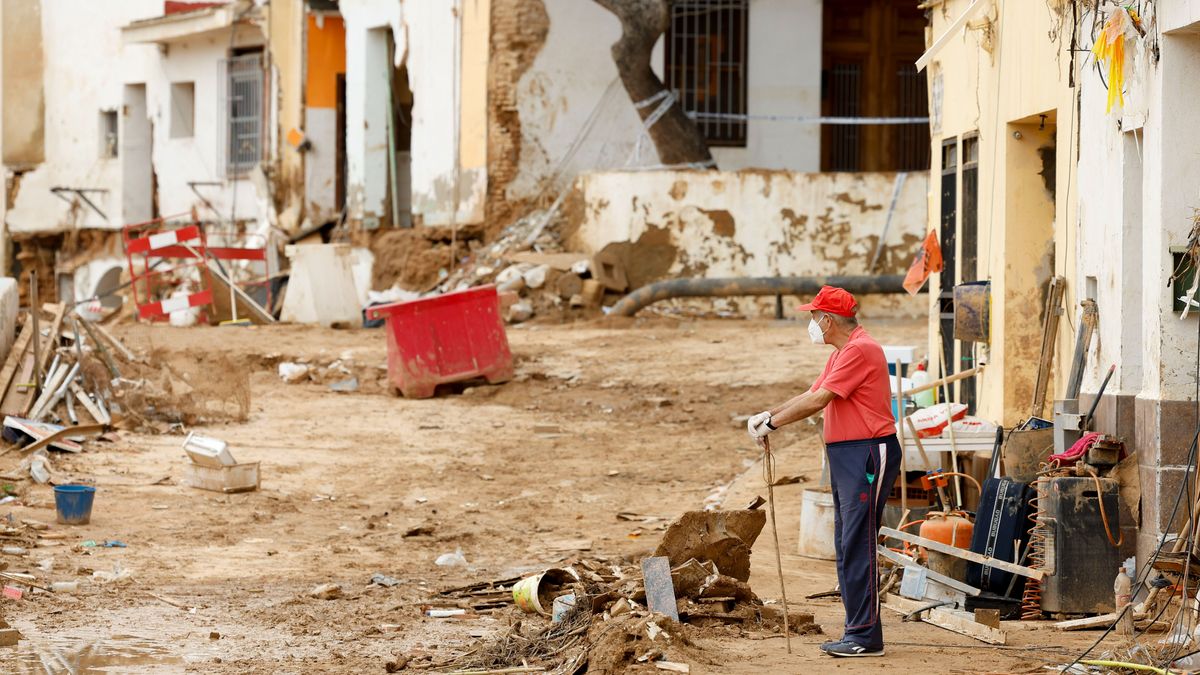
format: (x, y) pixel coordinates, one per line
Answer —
(136, 146)
(867, 56)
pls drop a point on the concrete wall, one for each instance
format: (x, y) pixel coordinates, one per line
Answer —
(196, 158)
(85, 69)
(432, 37)
(711, 224)
(23, 59)
(285, 29)
(998, 83)
(574, 71)
(1137, 165)
(88, 69)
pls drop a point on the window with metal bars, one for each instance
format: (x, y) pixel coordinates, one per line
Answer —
(241, 103)
(706, 65)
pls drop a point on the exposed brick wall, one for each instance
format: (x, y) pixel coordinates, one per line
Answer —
(518, 31)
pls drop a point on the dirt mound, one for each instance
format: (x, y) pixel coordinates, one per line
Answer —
(169, 388)
(414, 258)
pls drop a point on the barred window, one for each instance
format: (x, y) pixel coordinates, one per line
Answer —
(242, 112)
(706, 66)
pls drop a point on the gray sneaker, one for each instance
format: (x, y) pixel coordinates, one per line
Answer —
(847, 648)
(826, 645)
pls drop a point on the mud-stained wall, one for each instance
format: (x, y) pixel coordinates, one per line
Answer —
(518, 32)
(21, 75)
(753, 223)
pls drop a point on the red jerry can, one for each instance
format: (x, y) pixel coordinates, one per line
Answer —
(447, 338)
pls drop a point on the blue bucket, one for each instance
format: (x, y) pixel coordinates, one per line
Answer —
(74, 503)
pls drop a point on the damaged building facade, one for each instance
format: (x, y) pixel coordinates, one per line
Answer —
(1035, 177)
(277, 119)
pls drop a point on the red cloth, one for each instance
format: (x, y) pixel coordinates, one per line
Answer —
(928, 261)
(833, 300)
(1078, 449)
(857, 374)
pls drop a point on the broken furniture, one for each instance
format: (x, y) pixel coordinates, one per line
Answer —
(212, 467)
(447, 338)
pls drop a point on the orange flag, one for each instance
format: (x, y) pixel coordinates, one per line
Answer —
(928, 261)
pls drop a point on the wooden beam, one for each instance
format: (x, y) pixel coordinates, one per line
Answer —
(963, 553)
(906, 561)
(1088, 623)
(951, 620)
(951, 30)
(945, 380)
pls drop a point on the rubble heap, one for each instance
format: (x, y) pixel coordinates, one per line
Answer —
(610, 628)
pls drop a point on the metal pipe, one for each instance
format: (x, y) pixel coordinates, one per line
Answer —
(723, 288)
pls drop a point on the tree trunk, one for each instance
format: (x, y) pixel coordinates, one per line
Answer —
(676, 137)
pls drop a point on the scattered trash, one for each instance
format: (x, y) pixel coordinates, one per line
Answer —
(346, 386)
(451, 559)
(39, 468)
(434, 613)
(65, 586)
(326, 592)
(562, 605)
(520, 311)
(291, 373)
(212, 467)
(207, 451)
(13, 593)
(383, 580)
(109, 543)
(118, 575)
(536, 593)
(13, 550)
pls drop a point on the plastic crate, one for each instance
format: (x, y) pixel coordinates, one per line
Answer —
(448, 338)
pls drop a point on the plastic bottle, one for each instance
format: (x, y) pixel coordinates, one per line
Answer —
(1122, 586)
(924, 399)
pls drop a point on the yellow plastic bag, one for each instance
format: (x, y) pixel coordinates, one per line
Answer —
(1110, 50)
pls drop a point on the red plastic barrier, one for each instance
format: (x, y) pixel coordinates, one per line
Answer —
(448, 338)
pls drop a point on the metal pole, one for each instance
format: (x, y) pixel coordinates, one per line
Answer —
(34, 312)
(769, 470)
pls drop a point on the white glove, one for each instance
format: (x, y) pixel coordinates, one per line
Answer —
(758, 426)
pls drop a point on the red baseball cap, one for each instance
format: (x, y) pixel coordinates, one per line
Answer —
(833, 300)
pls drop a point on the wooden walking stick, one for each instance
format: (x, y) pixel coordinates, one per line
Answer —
(769, 474)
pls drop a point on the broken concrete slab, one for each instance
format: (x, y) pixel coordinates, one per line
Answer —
(723, 537)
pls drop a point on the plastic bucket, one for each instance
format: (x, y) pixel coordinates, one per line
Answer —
(537, 593)
(73, 503)
(816, 525)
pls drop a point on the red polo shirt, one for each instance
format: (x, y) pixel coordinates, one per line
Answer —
(857, 374)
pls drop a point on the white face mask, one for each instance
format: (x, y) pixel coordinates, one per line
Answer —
(815, 333)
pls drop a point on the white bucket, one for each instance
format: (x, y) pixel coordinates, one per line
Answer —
(816, 525)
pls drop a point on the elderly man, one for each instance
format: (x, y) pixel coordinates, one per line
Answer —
(864, 456)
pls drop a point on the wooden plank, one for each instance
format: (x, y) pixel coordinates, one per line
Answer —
(936, 576)
(93, 409)
(951, 620)
(1087, 623)
(962, 553)
(15, 355)
(117, 344)
(1054, 298)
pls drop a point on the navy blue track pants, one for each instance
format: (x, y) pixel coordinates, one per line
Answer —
(862, 474)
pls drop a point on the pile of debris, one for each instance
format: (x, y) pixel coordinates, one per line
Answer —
(606, 616)
(531, 269)
(67, 378)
